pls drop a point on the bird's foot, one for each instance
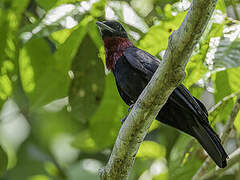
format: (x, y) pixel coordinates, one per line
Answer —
(130, 107)
(123, 120)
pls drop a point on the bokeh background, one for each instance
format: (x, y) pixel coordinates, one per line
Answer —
(60, 110)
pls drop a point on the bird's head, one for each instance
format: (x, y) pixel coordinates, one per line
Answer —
(115, 41)
(111, 29)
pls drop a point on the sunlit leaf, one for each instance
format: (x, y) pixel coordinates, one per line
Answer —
(66, 51)
(48, 82)
(5, 87)
(150, 149)
(39, 177)
(84, 142)
(156, 38)
(221, 6)
(237, 123)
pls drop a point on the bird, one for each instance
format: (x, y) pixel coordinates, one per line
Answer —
(133, 68)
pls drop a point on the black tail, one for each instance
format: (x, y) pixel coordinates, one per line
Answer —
(211, 143)
(189, 115)
(187, 122)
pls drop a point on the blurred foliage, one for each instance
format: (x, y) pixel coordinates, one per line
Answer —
(60, 114)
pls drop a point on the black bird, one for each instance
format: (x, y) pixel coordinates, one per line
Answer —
(133, 69)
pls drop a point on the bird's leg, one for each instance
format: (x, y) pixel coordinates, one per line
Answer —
(129, 109)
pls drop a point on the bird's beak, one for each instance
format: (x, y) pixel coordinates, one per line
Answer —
(103, 26)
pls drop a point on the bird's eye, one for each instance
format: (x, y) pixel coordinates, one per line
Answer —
(119, 27)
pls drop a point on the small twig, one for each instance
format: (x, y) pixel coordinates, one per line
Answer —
(233, 159)
(225, 99)
(230, 121)
(207, 163)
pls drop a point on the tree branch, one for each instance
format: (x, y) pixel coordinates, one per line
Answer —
(167, 77)
(227, 129)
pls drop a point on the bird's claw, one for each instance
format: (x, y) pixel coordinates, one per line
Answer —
(123, 120)
(130, 107)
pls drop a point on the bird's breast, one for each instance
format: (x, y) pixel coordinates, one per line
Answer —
(130, 81)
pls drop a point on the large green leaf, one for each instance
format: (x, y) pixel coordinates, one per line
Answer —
(37, 63)
(181, 165)
(151, 149)
(44, 74)
(226, 83)
(67, 50)
(156, 38)
(105, 123)
(87, 86)
(228, 53)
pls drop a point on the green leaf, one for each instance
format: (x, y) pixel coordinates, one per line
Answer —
(46, 4)
(105, 123)
(227, 54)
(67, 51)
(178, 168)
(226, 83)
(221, 6)
(85, 143)
(195, 68)
(150, 149)
(45, 75)
(156, 38)
(5, 88)
(222, 110)
(42, 81)
(3, 161)
(87, 86)
(39, 177)
(4, 28)
(47, 125)
(237, 122)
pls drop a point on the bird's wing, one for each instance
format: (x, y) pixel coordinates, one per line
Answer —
(187, 101)
(142, 61)
(148, 64)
